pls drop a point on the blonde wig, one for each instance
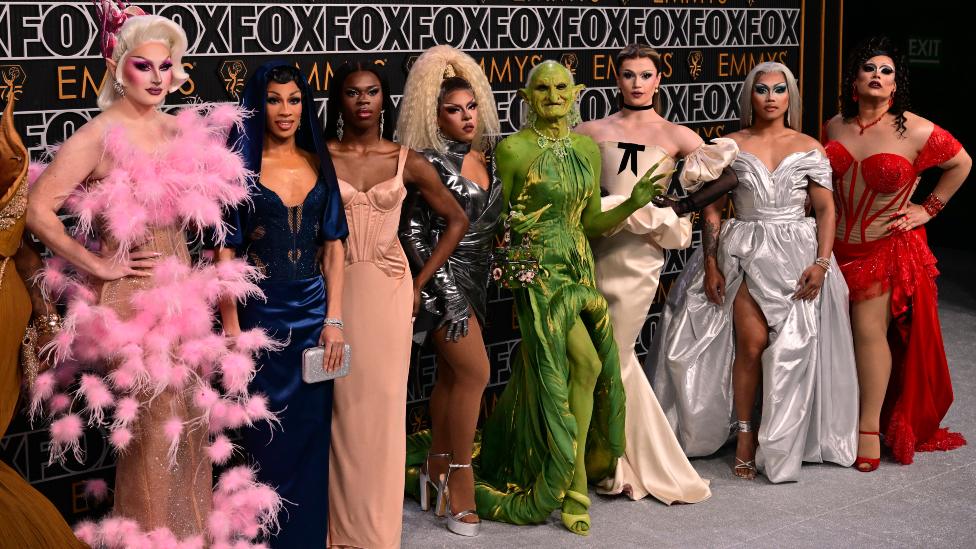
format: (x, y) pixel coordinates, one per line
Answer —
(138, 30)
(793, 112)
(417, 126)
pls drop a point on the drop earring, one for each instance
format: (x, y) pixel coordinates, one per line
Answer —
(339, 124)
(381, 122)
(119, 88)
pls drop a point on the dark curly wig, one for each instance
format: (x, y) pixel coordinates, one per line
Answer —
(336, 84)
(864, 50)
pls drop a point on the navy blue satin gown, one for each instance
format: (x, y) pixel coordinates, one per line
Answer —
(283, 242)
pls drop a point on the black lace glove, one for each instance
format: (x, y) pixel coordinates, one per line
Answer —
(710, 192)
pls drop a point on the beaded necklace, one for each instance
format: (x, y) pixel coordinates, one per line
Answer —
(560, 145)
(866, 126)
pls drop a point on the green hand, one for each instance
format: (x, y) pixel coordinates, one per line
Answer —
(647, 187)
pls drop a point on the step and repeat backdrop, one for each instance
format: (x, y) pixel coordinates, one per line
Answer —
(49, 60)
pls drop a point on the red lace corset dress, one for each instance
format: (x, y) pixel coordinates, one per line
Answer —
(875, 261)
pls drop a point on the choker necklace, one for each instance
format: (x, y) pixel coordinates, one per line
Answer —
(634, 108)
(868, 125)
(560, 145)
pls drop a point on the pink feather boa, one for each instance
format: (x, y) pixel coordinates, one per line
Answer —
(167, 342)
(187, 181)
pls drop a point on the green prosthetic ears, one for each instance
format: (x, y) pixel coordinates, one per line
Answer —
(550, 92)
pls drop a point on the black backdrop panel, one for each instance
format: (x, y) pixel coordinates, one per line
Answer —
(49, 59)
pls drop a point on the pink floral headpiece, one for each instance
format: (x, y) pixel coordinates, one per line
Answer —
(111, 16)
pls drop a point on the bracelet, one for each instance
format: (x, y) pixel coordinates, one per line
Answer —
(28, 357)
(933, 205)
(823, 263)
(49, 324)
(335, 322)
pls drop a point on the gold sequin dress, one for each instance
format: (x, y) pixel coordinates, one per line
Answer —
(27, 519)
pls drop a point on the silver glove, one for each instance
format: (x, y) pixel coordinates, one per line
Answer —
(456, 313)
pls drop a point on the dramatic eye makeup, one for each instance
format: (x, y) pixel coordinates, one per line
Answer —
(372, 92)
(145, 65)
(885, 69)
(628, 74)
(273, 99)
(763, 89)
(454, 109)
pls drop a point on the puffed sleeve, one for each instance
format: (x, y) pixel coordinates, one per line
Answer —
(707, 162)
(939, 147)
(660, 226)
(818, 171)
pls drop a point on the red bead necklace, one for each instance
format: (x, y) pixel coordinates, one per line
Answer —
(866, 126)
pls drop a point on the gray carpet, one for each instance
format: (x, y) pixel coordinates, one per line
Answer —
(931, 503)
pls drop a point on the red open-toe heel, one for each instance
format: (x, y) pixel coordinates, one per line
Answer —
(872, 463)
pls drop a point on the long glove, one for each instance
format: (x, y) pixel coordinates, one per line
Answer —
(708, 193)
(417, 234)
(456, 314)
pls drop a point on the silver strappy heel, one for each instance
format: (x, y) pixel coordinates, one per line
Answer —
(748, 466)
(426, 482)
(454, 521)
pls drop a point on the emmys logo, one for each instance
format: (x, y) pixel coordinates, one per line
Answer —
(570, 61)
(695, 64)
(12, 78)
(233, 73)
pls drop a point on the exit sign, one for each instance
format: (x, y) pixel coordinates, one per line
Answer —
(925, 51)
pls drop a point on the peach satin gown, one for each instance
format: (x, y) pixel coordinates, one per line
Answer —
(369, 407)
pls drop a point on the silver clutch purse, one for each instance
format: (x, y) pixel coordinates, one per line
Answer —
(312, 370)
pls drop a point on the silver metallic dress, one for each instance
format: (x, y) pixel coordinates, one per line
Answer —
(809, 382)
(463, 280)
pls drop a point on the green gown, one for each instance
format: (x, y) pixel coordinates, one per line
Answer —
(528, 449)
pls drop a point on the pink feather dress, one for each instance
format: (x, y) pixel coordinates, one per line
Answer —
(138, 356)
